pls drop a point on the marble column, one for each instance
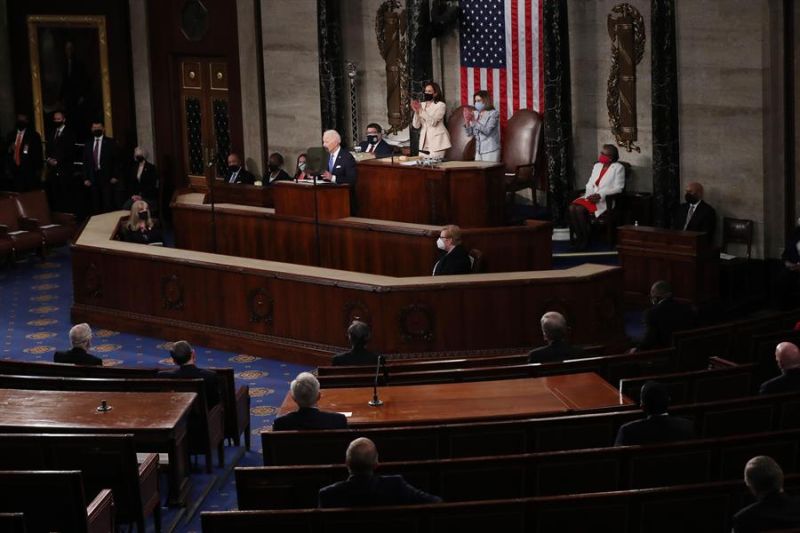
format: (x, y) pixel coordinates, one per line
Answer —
(142, 82)
(252, 114)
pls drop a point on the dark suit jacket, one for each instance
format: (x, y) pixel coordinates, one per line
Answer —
(146, 186)
(344, 168)
(282, 176)
(193, 372)
(63, 151)
(108, 162)
(662, 320)
(382, 149)
(455, 262)
(309, 418)
(704, 218)
(556, 351)
(244, 177)
(790, 253)
(26, 175)
(789, 381)
(356, 356)
(776, 511)
(655, 430)
(366, 491)
(77, 356)
(141, 237)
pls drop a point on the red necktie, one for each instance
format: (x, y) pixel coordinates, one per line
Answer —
(96, 154)
(18, 150)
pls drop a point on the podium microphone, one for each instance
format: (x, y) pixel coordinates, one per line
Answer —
(375, 401)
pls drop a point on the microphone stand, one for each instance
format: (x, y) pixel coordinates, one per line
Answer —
(316, 221)
(213, 209)
(375, 401)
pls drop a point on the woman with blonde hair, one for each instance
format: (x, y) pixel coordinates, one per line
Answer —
(140, 228)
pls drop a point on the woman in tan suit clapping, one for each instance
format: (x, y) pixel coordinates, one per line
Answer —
(429, 117)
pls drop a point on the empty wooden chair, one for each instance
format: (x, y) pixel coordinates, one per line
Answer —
(737, 231)
(57, 228)
(24, 236)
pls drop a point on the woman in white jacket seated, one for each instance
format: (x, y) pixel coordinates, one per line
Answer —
(607, 178)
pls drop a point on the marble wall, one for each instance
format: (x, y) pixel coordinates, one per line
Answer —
(6, 86)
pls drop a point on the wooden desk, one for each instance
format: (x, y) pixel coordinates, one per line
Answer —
(464, 402)
(468, 193)
(684, 258)
(297, 199)
(239, 193)
(158, 422)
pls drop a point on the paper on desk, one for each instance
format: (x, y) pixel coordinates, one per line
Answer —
(409, 163)
(726, 257)
(348, 414)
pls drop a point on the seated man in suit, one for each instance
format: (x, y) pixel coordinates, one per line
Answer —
(659, 426)
(359, 333)
(364, 489)
(80, 338)
(375, 143)
(788, 358)
(774, 509)
(665, 318)
(275, 170)
(305, 393)
(341, 166)
(695, 214)
(554, 331)
(184, 356)
(455, 259)
(236, 172)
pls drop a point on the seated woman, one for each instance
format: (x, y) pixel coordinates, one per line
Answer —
(300, 168)
(140, 227)
(484, 125)
(607, 178)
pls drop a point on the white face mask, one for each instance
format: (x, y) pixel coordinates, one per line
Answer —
(440, 243)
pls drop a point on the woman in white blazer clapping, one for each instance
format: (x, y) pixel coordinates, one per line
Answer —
(607, 178)
(429, 118)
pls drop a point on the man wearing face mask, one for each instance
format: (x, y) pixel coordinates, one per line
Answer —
(100, 172)
(375, 143)
(275, 170)
(236, 172)
(455, 259)
(665, 317)
(59, 180)
(141, 180)
(24, 156)
(695, 214)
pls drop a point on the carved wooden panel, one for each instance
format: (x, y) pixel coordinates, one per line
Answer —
(191, 75)
(219, 76)
(260, 305)
(417, 323)
(171, 292)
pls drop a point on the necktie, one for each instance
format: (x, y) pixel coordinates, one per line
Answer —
(96, 154)
(330, 163)
(689, 216)
(371, 148)
(18, 149)
(58, 133)
(233, 177)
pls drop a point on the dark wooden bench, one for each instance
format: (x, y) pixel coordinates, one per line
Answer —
(12, 522)
(698, 385)
(206, 424)
(723, 418)
(56, 501)
(534, 474)
(236, 400)
(707, 507)
(106, 461)
(612, 368)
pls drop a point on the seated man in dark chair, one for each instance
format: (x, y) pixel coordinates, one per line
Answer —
(305, 393)
(456, 258)
(659, 426)
(665, 318)
(358, 333)
(554, 331)
(80, 337)
(364, 489)
(775, 510)
(375, 143)
(787, 356)
(184, 356)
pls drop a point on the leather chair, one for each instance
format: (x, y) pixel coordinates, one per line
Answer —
(616, 211)
(462, 146)
(57, 228)
(737, 231)
(476, 259)
(523, 152)
(24, 235)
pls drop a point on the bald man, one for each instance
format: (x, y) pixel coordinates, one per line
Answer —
(364, 489)
(695, 214)
(788, 358)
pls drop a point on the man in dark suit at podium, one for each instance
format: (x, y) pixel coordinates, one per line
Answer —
(554, 331)
(695, 214)
(455, 259)
(664, 318)
(364, 488)
(659, 426)
(80, 337)
(341, 165)
(305, 393)
(236, 172)
(787, 356)
(358, 333)
(375, 143)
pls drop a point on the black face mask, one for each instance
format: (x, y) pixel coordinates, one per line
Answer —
(273, 167)
(58, 124)
(144, 215)
(372, 139)
(690, 198)
(233, 168)
(139, 158)
(428, 97)
(97, 133)
(21, 124)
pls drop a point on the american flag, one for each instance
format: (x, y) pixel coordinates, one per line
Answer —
(502, 51)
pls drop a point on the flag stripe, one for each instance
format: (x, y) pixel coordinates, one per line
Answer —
(531, 36)
(540, 66)
(524, 54)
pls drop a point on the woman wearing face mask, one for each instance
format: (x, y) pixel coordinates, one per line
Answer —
(300, 168)
(140, 228)
(275, 170)
(141, 180)
(607, 178)
(429, 118)
(484, 125)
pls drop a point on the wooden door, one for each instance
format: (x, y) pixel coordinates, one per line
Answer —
(205, 118)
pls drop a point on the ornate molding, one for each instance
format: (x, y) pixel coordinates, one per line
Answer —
(261, 306)
(626, 29)
(417, 323)
(171, 292)
(392, 37)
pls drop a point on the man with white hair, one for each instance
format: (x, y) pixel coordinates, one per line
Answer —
(341, 165)
(141, 180)
(554, 332)
(788, 358)
(774, 509)
(363, 488)
(80, 338)
(305, 393)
